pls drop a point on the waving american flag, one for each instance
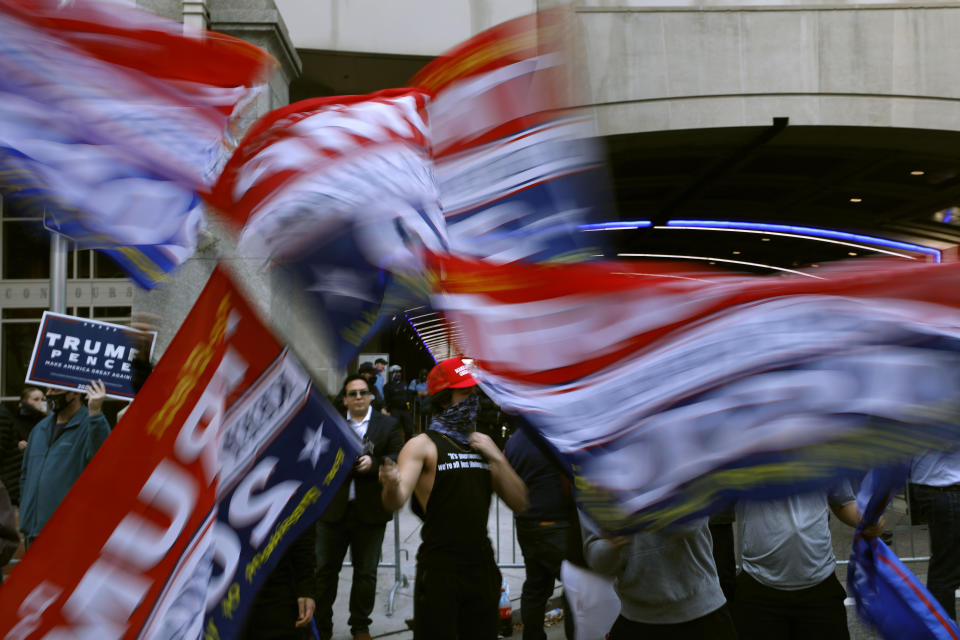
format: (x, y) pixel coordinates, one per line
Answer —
(113, 124)
(668, 393)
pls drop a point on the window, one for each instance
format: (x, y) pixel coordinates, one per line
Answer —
(26, 249)
(18, 332)
(96, 288)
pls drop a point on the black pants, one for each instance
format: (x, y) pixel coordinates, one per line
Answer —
(941, 508)
(544, 546)
(456, 598)
(406, 422)
(815, 612)
(365, 541)
(717, 625)
(724, 555)
(273, 618)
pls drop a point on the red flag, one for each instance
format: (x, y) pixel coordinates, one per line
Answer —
(136, 523)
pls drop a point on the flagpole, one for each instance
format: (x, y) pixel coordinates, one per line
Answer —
(58, 273)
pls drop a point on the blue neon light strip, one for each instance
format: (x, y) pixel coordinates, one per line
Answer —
(815, 232)
(610, 226)
(807, 231)
(414, 327)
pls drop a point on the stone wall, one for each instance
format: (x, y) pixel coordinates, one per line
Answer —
(696, 65)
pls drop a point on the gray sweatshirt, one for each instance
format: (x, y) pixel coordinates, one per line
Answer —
(662, 577)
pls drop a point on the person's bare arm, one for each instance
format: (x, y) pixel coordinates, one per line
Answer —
(849, 514)
(506, 482)
(400, 479)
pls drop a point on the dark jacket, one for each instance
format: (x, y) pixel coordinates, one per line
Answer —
(547, 488)
(274, 609)
(396, 395)
(386, 438)
(13, 429)
(9, 538)
(10, 455)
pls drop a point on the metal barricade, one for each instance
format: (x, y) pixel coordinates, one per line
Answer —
(399, 579)
(504, 530)
(909, 541)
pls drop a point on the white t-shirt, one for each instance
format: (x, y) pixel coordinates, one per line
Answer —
(937, 469)
(786, 542)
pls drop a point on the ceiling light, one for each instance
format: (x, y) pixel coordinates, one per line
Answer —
(917, 172)
(736, 253)
(852, 253)
(856, 200)
(764, 239)
(655, 275)
(809, 233)
(724, 260)
(946, 215)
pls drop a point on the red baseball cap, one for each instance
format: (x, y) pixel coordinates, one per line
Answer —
(451, 373)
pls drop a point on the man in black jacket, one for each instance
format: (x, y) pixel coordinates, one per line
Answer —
(355, 517)
(546, 531)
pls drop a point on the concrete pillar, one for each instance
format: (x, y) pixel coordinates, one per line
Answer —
(195, 15)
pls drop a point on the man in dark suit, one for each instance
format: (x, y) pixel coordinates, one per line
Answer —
(356, 517)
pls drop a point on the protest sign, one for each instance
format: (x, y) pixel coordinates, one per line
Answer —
(70, 352)
(227, 454)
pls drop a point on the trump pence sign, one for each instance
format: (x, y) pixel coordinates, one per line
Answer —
(70, 352)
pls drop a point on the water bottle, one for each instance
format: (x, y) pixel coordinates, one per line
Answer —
(506, 611)
(553, 616)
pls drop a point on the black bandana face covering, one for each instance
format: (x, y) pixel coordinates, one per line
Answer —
(459, 420)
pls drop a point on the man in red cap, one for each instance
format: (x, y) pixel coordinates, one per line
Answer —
(451, 470)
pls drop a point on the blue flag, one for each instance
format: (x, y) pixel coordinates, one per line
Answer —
(889, 596)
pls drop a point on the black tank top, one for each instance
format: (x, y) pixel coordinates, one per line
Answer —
(455, 520)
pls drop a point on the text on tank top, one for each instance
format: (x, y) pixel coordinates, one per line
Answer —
(456, 515)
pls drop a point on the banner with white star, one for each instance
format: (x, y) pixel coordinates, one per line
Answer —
(225, 457)
(294, 449)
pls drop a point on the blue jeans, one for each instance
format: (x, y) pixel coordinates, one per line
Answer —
(942, 510)
(365, 542)
(543, 546)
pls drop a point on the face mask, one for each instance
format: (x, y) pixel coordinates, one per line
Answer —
(459, 420)
(54, 403)
(59, 402)
(43, 406)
